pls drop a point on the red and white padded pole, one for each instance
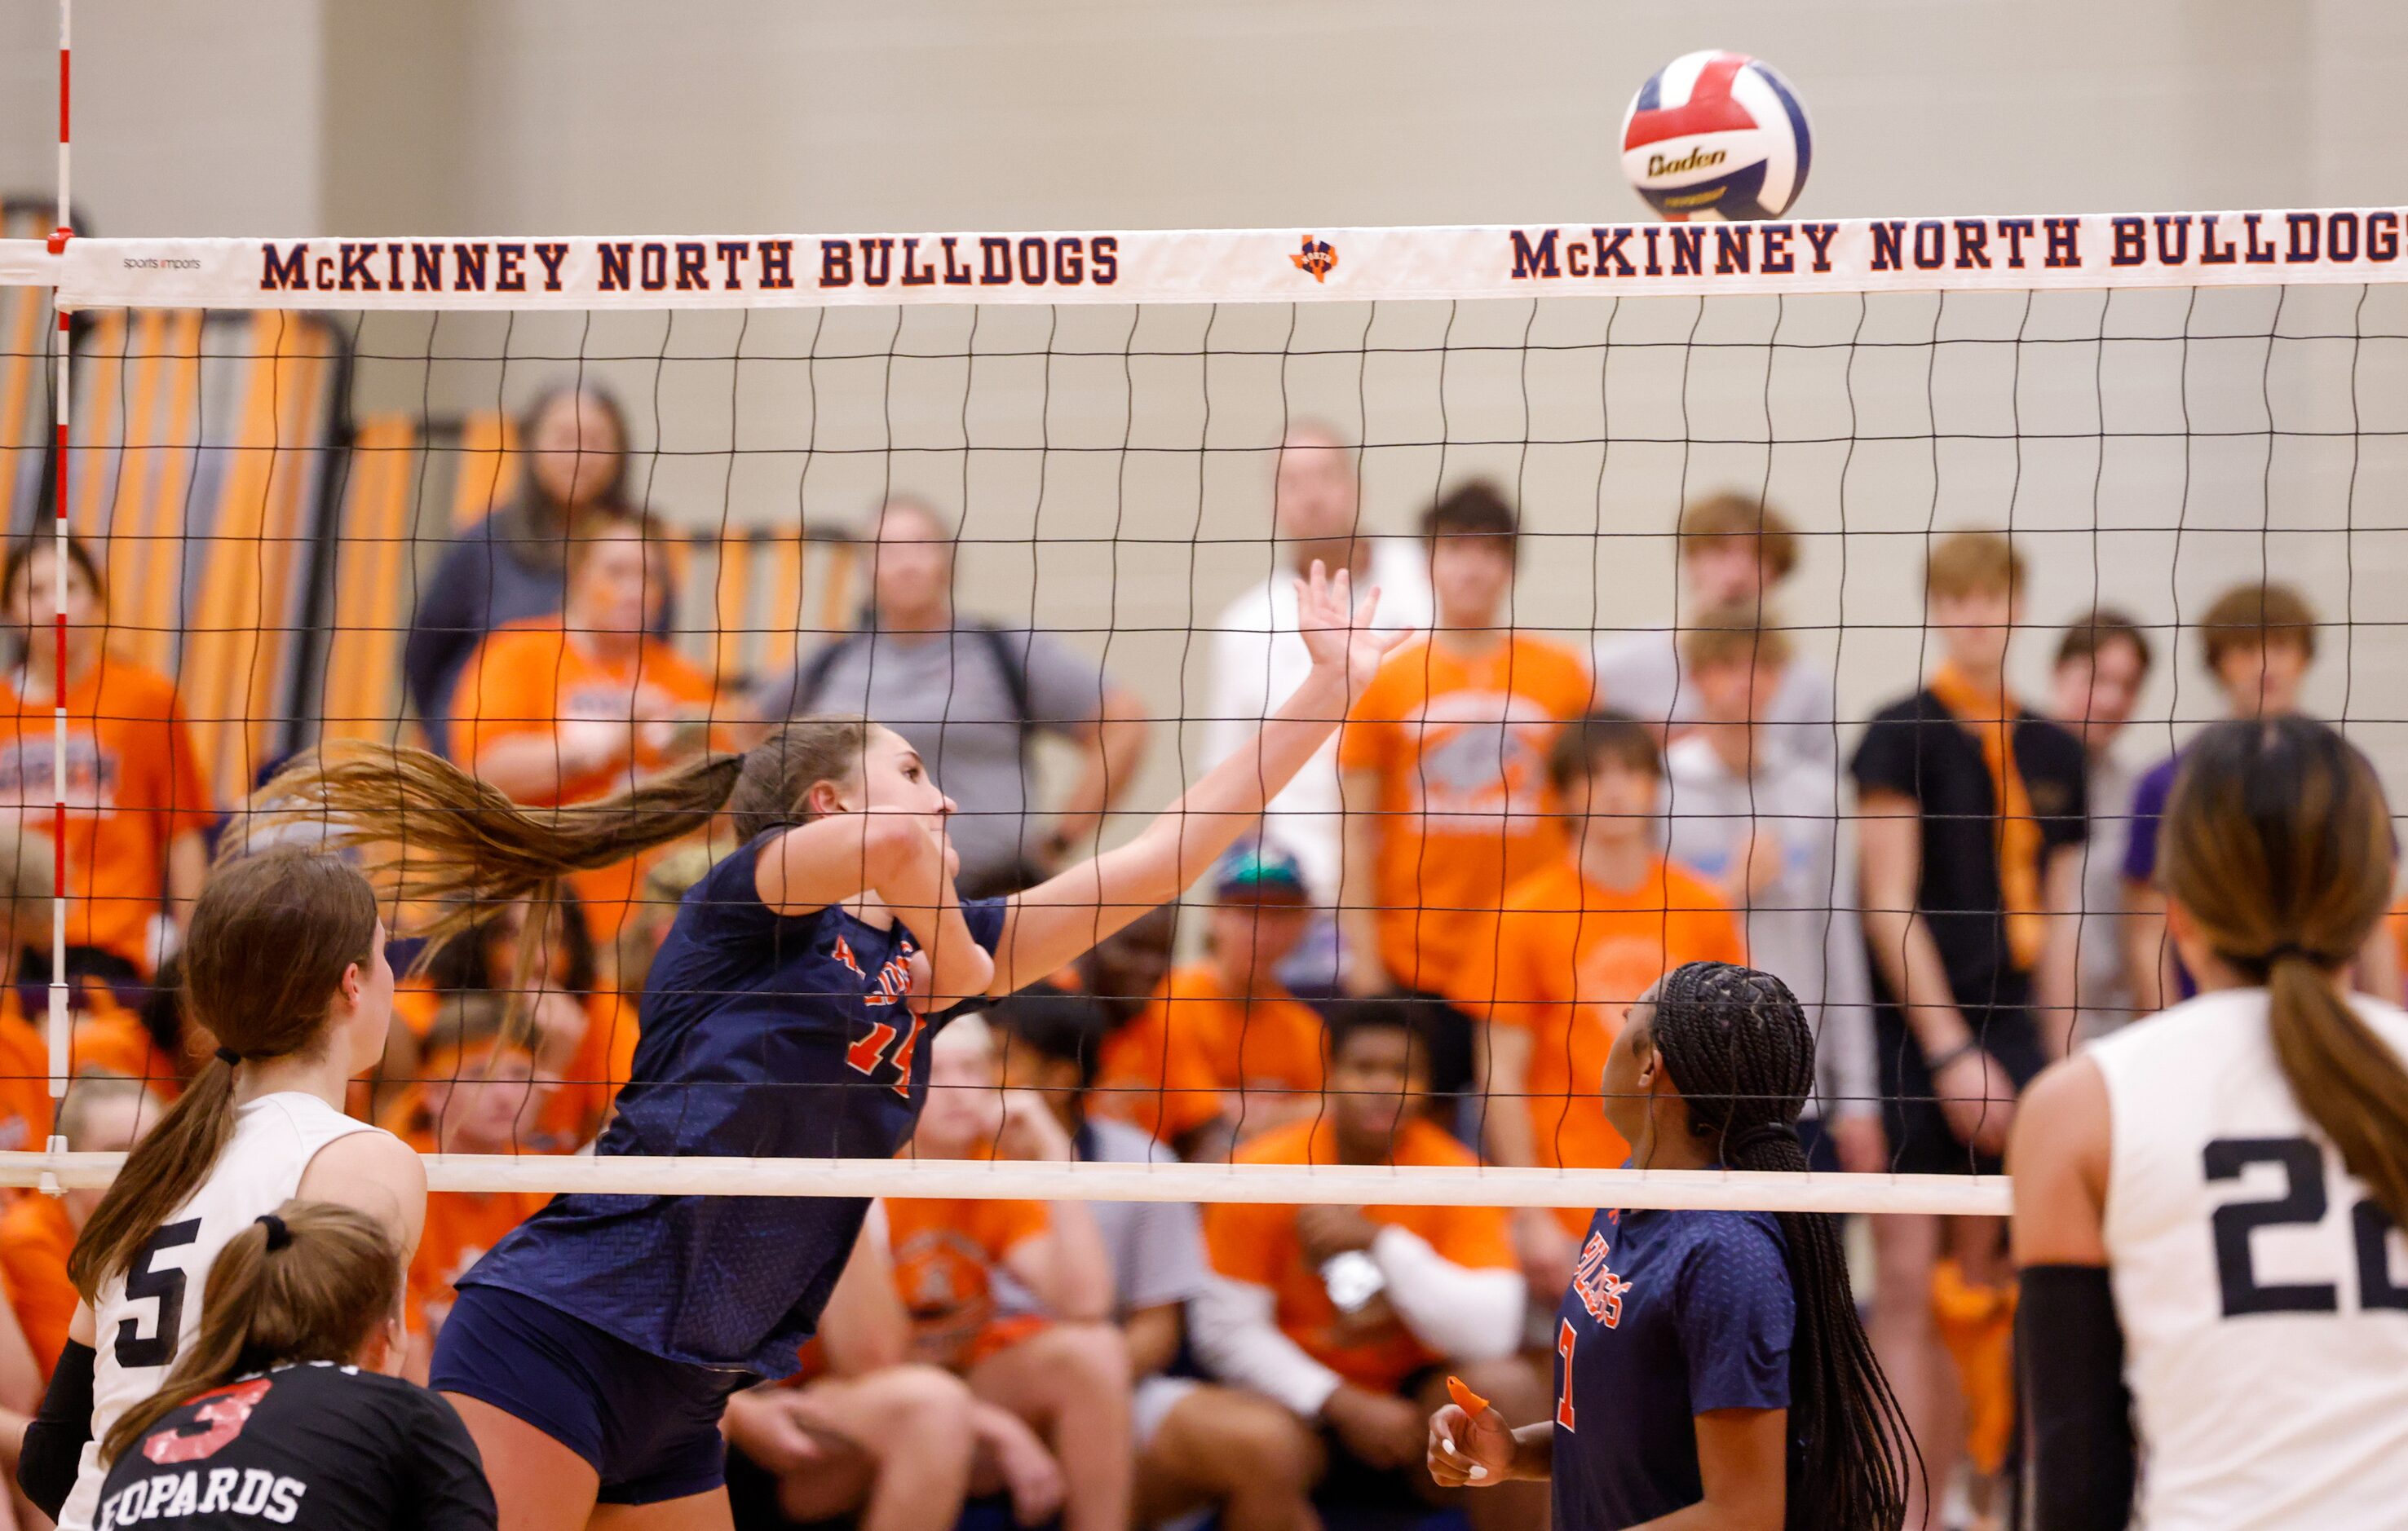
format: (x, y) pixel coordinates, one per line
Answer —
(59, 1035)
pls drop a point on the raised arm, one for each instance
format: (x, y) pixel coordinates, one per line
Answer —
(900, 857)
(1058, 920)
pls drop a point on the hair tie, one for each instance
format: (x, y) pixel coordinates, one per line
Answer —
(279, 1236)
(1762, 1132)
(228, 1056)
(2292, 949)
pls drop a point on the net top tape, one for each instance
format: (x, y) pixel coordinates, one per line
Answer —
(2011, 252)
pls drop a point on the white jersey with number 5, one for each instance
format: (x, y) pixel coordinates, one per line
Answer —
(2262, 1294)
(149, 1310)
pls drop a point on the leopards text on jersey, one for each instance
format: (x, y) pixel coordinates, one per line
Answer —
(1669, 1314)
(148, 1312)
(766, 1035)
(316, 1447)
(2262, 1294)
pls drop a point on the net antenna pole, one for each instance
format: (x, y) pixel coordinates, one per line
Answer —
(59, 1036)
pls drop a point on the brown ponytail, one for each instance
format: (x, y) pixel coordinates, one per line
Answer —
(272, 935)
(2277, 843)
(310, 1282)
(445, 842)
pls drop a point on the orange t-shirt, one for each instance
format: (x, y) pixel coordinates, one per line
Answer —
(133, 786)
(1562, 960)
(573, 1113)
(946, 1253)
(528, 678)
(107, 1035)
(35, 1241)
(1459, 749)
(1171, 1069)
(461, 1226)
(1257, 1244)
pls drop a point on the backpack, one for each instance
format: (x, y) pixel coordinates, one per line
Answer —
(1010, 662)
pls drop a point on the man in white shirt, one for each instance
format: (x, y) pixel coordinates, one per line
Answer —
(1772, 830)
(1257, 658)
(2103, 661)
(1735, 550)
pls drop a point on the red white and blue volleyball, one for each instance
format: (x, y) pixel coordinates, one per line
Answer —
(1716, 136)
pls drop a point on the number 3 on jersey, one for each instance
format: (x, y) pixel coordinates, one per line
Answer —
(2302, 1203)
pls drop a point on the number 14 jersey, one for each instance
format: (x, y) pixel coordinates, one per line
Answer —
(2262, 1294)
(149, 1310)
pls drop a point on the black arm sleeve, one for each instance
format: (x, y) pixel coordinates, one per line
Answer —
(55, 1440)
(445, 1475)
(2078, 1448)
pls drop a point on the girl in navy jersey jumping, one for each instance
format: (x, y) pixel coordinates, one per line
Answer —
(591, 1351)
(1710, 1370)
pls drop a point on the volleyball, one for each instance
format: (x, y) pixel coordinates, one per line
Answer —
(1716, 136)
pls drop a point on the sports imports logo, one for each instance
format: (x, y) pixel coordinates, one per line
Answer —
(1317, 256)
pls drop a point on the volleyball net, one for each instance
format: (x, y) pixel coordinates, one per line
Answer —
(275, 450)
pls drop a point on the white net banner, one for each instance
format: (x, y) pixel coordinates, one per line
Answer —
(1994, 252)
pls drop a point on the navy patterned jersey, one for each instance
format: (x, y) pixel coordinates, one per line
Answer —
(763, 1035)
(1670, 1314)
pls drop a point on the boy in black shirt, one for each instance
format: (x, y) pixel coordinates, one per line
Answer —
(1972, 809)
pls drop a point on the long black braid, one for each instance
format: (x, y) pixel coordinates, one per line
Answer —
(1735, 1043)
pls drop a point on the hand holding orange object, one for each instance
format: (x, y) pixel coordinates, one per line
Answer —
(1469, 1445)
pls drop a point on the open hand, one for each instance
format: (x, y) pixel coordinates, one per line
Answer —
(1336, 629)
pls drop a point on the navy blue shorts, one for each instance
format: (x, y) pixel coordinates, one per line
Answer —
(650, 1426)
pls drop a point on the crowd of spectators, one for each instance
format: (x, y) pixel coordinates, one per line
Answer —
(1420, 959)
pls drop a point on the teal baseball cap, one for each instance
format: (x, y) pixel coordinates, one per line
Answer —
(1253, 869)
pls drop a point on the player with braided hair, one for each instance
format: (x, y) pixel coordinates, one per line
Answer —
(1708, 1359)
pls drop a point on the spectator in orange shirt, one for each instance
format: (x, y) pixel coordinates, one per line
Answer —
(138, 810)
(1063, 1369)
(1350, 1317)
(1574, 946)
(103, 1113)
(1442, 766)
(477, 1092)
(1199, 1447)
(1223, 1050)
(893, 1444)
(572, 709)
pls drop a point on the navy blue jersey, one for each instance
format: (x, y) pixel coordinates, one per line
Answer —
(1669, 1314)
(763, 1035)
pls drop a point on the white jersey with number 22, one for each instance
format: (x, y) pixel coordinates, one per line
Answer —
(2263, 1295)
(149, 1310)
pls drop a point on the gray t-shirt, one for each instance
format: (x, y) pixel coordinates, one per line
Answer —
(2103, 983)
(1157, 1247)
(1640, 673)
(946, 693)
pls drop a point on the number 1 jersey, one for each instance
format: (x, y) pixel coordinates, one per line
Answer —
(149, 1310)
(2262, 1294)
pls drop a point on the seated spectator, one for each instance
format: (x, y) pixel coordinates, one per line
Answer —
(476, 1093)
(2259, 642)
(1735, 550)
(1770, 830)
(284, 1408)
(138, 809)
(1352, 1317)
(972, 697)
(1199, 1447)
(865, 1433)
(2102, 662)
(1257, 656)
(103, 1113)
(1443, 767)
(1575, 944)
(1125, 970)
(1057, 1361)
(512, 567)
(1971, 814)
(158, 1043)
(1224, 1051)
(582, 707)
